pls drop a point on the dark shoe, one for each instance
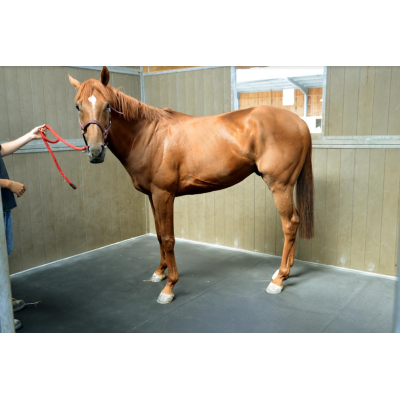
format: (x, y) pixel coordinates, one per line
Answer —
(17, 324)
(18, 305)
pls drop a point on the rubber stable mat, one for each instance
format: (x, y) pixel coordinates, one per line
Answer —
(219, 290)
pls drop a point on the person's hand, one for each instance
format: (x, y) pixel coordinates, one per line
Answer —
(18, 188)
(35, 132)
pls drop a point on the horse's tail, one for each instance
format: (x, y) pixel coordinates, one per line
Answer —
(305, 198)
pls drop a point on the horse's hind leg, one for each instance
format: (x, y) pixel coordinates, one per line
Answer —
(159, 273)
(283, 196)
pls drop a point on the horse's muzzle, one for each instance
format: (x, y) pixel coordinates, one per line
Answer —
(97, 160)
(96, 153)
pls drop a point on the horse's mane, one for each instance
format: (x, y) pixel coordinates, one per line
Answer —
(131, 108)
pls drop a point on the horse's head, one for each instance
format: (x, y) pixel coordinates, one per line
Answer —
(94, 113)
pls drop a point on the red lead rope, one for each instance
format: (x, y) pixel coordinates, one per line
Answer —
(47, 141)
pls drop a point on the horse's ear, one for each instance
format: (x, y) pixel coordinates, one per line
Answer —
(76, 84)
(105, 76)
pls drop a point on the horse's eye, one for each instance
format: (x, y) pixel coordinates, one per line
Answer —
(77, 107)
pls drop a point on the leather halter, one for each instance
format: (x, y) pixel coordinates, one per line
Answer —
(95, 122)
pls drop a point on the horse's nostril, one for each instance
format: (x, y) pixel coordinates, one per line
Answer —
(96, 150)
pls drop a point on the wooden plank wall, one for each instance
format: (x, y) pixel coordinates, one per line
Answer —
(363, 101)
(52, 221)
(30, 96)
(357, 195)
(158, 69)
(357, 190)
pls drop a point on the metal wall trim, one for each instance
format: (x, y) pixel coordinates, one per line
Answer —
(39, 146)
(142, 88)
(6, 307)
(356, 142)
(323, 101)
(397, 303)
(355, 146)
(118, 70)
(372, 138)
(179, 70)
(345, 142)
(234, 92)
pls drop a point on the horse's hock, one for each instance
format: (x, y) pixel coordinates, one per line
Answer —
(253, 180)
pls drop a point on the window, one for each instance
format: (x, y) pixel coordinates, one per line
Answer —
(288, 97)
(297, 89)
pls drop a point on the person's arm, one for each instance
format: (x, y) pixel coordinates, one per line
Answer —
(18, 188)
(11, 147)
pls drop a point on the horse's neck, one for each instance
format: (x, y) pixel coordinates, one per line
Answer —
(123, 136)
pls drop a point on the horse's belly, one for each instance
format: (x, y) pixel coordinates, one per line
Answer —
(213, 160)
(211, 178)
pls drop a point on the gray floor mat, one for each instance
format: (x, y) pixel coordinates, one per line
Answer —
(219, 290)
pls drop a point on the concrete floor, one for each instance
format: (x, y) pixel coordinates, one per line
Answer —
(219, 290)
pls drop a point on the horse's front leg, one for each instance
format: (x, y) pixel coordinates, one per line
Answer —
(159, 273)
(164, 213)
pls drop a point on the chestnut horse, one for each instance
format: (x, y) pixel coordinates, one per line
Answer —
(169, 154)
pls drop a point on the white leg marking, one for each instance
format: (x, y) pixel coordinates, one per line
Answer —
(157, 278)
(273, 289)
(165, 298)
(276, 274)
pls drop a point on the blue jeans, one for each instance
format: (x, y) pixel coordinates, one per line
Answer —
(8, 225)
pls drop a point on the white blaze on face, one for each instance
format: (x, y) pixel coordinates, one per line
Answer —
(92, 99)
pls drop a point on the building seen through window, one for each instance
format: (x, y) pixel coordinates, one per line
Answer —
(297, 89)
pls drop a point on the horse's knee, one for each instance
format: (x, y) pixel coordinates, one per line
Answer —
(159, 238)
(168, 243)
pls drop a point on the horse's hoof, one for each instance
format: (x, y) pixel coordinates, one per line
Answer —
(157, 278)
(276, 274)
(274, 289)
(165, 298)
